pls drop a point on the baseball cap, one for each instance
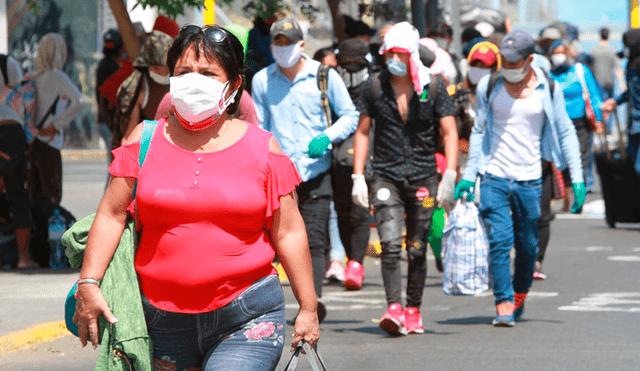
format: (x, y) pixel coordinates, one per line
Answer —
(353, 49)
(550, 33)
(287, 27)
(112, 39)
(517, 45)
(166, 25)
(485, 52)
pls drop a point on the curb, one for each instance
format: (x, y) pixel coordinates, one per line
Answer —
(41, 333)
(83, 154)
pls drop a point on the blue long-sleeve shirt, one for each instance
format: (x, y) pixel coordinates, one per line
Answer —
(291, 110)
(632, 95)
(558, 143)
(572, 89)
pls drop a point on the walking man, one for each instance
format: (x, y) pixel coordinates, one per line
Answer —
(519, 123)
(288, 104)
(412, 111)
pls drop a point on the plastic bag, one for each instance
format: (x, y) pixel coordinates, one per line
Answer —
(465, 252)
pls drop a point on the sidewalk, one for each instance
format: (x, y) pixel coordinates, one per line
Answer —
(83, 154)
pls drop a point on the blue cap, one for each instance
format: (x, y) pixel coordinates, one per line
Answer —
(517, 45)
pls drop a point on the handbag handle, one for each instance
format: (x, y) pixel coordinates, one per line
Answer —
(315, 359)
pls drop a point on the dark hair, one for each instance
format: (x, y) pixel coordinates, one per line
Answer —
(321, 53)
(604, 33)
(228, 53)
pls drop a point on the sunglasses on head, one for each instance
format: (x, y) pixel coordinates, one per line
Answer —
(210, 32)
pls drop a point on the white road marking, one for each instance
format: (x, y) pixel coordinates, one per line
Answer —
(590, 210)
(624, 258)
(606, 302)
(532, 294)
(599, 248)
(636, 249)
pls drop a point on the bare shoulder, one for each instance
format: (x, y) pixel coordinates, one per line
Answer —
(135, 135)
(274, 146)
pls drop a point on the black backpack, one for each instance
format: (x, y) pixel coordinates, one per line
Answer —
(42, 208)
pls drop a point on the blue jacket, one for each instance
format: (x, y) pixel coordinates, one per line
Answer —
(558, 144)
(632, 96)
(291, 110)
(569, 79)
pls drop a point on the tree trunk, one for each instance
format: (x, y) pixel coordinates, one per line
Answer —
(129, 38)
(339, 31)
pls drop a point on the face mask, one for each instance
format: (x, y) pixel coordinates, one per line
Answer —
(477, 73)
(515, 75)
(287, 56)
(160, 79)
(396, 67)
(355, 78)
(198, 101)
(558, 60)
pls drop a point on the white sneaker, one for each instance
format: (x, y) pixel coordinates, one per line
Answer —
(335, 272)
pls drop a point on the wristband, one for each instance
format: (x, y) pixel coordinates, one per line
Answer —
(89, 280)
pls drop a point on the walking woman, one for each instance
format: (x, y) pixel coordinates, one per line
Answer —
(215, 200)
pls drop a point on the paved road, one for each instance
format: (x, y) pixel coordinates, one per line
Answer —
(583, 317)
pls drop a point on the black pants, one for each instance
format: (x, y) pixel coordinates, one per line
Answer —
(46, 171)
(354, 222)
(314, 199)
(546, 214)
(584, 137)
(13, 143)
(391, 201)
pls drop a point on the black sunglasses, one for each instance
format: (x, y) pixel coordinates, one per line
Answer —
(210, 32)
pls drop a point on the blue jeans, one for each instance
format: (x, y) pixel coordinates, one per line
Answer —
(246, 334)
(337, 252)
(511, 210)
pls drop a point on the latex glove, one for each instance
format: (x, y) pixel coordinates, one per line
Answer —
(359, 192)
(446, 187)
(318, 145)
(462, 187)
(580, 193)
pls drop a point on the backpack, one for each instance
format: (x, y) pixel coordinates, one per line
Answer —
(42, 208)
(21, 98)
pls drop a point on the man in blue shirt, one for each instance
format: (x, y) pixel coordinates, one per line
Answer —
(519, 124)
(288, 104)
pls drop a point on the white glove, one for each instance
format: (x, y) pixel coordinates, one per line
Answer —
(359, 192)
(447, 187)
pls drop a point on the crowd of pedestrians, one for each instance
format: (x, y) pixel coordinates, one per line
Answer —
(384, 125)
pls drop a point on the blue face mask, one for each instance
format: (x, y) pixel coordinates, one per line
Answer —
(396, 67)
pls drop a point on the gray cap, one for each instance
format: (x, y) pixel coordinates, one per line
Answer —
(517, 45)
(353, 49)
(287, 27)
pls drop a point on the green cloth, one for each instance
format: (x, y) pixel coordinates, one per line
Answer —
(242, 33)
(435, 233)
(120, 289)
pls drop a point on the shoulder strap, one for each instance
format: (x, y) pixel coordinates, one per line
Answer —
(493, 80)
(3, 67)
(148, 128)
(583, 83)
(323, 85)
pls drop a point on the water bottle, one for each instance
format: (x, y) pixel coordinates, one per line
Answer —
(57, 227)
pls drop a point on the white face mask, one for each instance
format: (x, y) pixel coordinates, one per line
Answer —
(476, 73)
(558, 60)
(160, 79)
(515, 75)
(197, 98)
(287, 56)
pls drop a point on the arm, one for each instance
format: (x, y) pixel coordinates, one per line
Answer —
(361, 144)
(477, 131)
(102, 242)
(68, 89)
(594, 92)
(289, 238)
(343, 106)
(258, 94)
(568, 136)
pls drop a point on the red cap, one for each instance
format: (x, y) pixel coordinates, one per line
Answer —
(166, 25)
(485, 52)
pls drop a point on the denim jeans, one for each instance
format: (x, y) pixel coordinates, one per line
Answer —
(246, 334)
(511, 210)
(336, 247)
(391, 201)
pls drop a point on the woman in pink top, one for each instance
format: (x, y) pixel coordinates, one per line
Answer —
(215, 200)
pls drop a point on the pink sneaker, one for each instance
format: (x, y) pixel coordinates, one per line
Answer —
(335, 273)
(393, 321)
(353, 275)
(413, 321)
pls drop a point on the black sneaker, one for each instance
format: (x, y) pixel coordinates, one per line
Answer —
(439, 266)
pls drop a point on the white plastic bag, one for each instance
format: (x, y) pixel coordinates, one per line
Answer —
(465, 252)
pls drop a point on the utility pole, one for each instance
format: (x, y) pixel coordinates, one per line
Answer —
(209, 12)
(419, 16)
(634, 15)
(125, 26)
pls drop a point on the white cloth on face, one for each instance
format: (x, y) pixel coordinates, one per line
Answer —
(51, 54)
(404, 36)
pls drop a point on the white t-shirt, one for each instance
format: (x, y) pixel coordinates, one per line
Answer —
(517, 128)
(14, 75)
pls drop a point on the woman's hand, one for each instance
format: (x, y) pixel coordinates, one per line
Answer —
(306, 328)
(608, 105)
(90, 306)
